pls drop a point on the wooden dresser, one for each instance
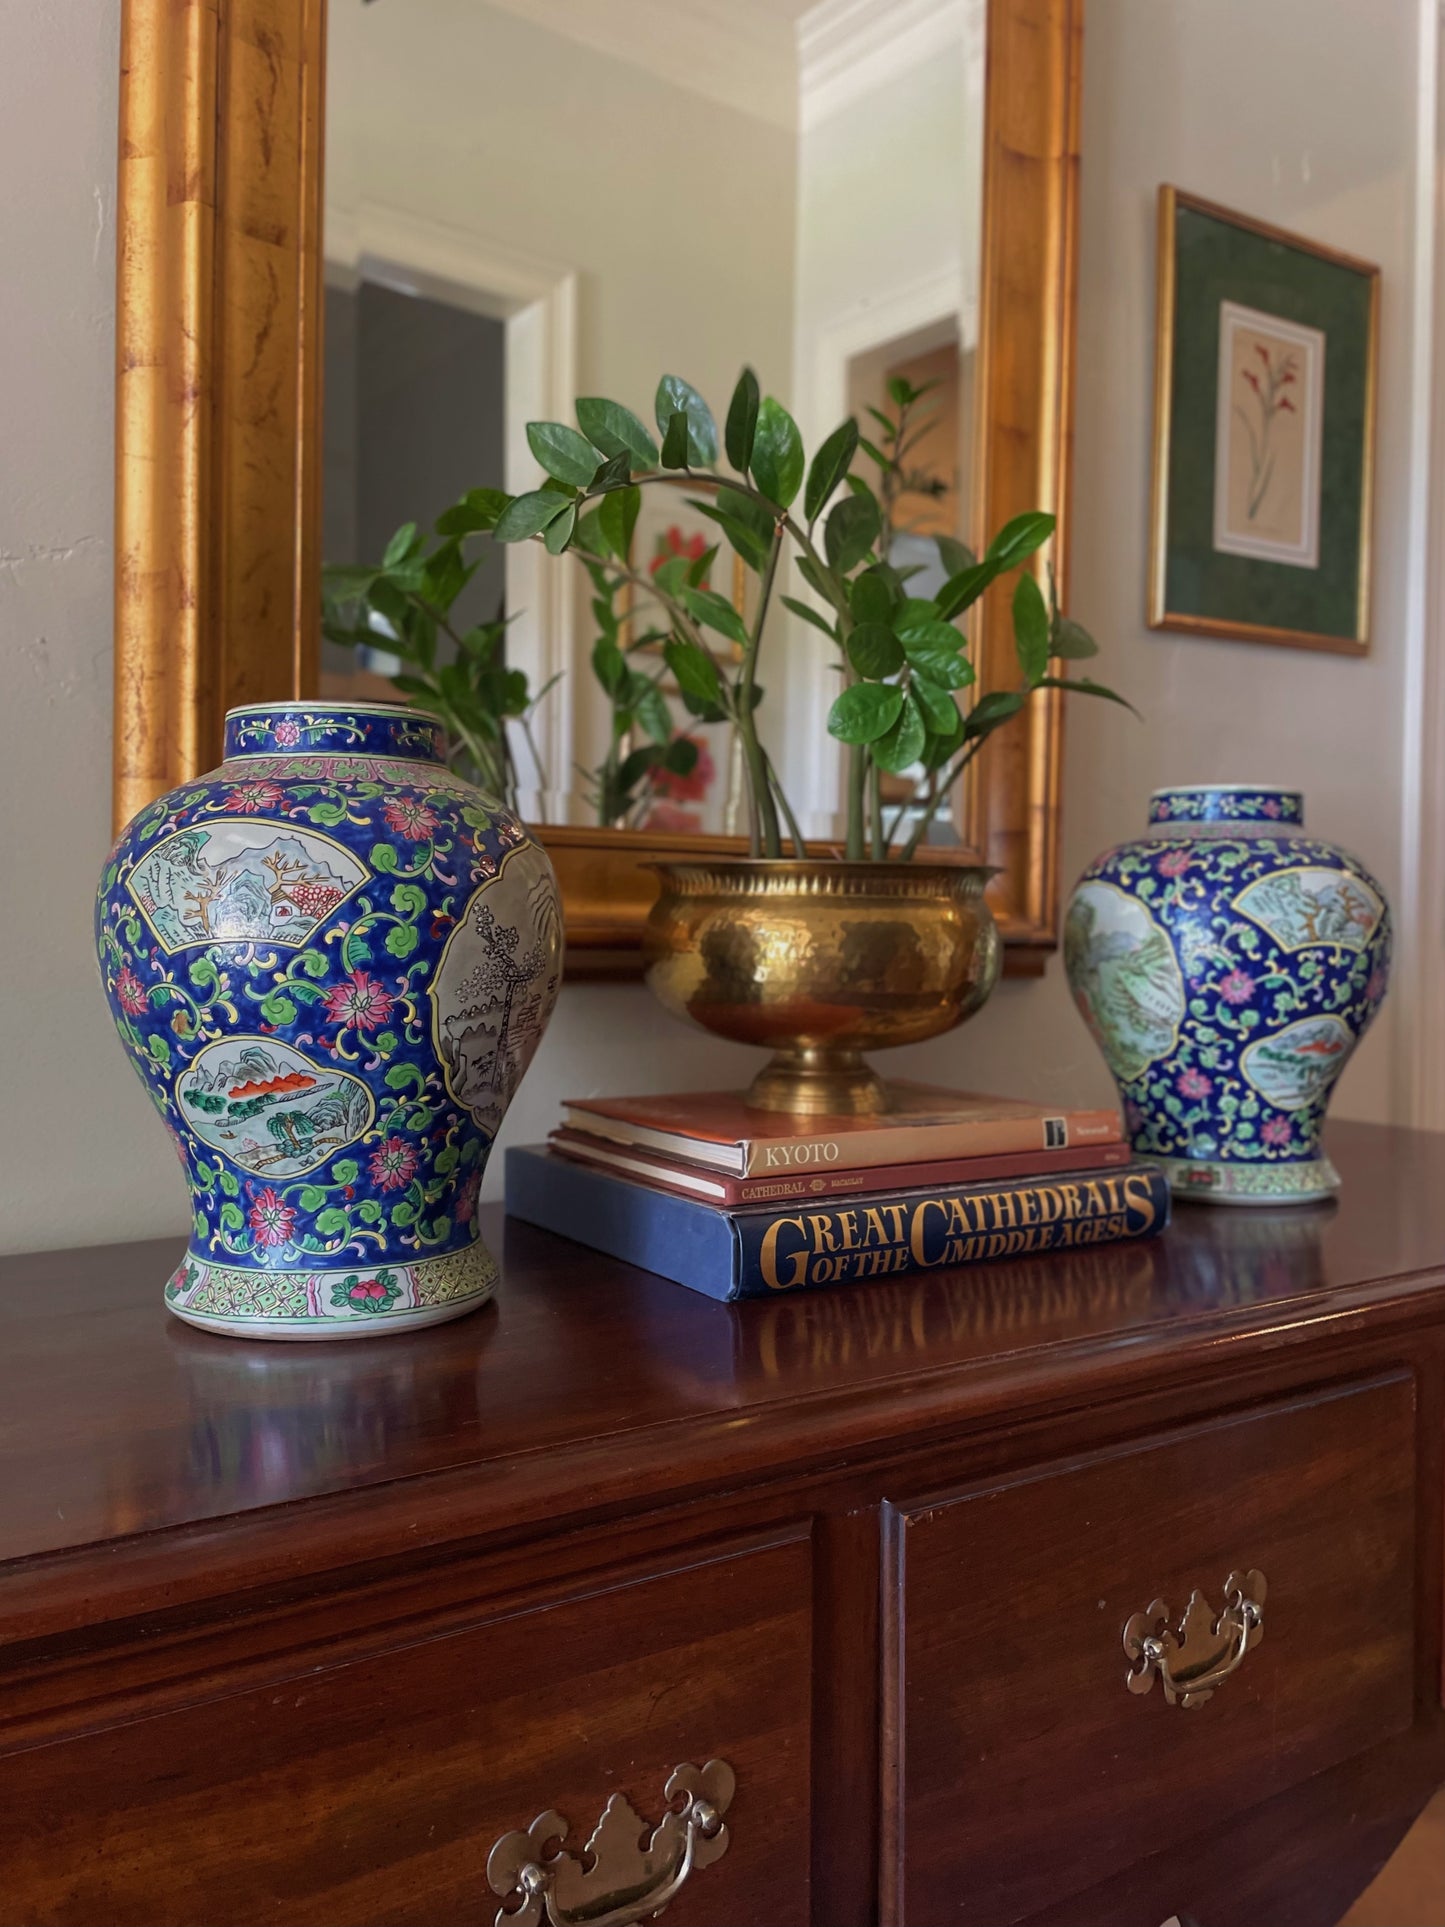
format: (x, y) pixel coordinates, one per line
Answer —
(305, 1633)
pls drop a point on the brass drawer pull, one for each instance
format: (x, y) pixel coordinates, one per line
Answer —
(1205, 1650)
(615, 1881)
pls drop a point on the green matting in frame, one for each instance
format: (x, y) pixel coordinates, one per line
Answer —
(1264, 413)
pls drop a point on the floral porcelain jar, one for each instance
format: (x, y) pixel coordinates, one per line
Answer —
(1227, 965)
(330, 961)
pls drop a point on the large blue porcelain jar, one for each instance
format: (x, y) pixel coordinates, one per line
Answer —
(330, 961)
(1227, 965)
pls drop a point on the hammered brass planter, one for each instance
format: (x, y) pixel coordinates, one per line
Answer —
(819, 961)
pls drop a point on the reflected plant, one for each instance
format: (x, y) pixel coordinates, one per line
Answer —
(901, 656)
(405, 607)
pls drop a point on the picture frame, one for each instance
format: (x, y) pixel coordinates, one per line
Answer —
(1265, 381)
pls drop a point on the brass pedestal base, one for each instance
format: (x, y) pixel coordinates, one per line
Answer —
(818, 1081)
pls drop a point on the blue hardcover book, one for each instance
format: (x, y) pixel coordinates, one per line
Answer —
(755, 1250)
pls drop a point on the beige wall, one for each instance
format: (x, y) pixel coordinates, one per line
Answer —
(1300, 113)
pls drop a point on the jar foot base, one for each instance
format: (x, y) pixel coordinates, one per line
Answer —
(1210, 1181)
(818, 1081)
(347, 1301)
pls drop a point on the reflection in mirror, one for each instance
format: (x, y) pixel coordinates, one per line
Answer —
(528, 205)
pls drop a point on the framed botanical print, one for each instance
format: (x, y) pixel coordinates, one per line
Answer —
(1264, 412)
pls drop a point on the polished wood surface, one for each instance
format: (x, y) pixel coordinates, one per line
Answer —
(396, 1764)
(294, 1633)
(1321, 1498)
(146, 1424)
(218, 417)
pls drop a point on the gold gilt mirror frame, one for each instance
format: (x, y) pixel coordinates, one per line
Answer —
(218, 420)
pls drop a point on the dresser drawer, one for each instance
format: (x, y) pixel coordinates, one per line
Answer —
(1019, 1765)
(374, 1789)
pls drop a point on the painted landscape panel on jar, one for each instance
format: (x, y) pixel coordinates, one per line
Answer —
(1298, 1064)
(242, 882)
(1313, 905)
(1125, 975)
(269, 1109)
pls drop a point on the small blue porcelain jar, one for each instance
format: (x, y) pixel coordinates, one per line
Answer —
(330, 961)
(1227, 965)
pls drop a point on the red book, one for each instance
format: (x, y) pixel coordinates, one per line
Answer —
(714, 1187)
(925, 1125)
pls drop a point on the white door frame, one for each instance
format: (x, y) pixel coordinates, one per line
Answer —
(537, 302)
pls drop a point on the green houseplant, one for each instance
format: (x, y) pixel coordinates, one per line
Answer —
(818, 958)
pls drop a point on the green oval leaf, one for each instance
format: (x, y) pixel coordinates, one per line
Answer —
(831, 463)
(934, 650)
(777, 454)
(563, 452)
(678, 397)
(865, 712)
(1082, 686)
(811, 615)
(1018, 539)
(717, 612)
(402, 546)
(850, 531)
(991, 710)
(676, 441)
(649, 705)
(331, 1221)
(609, 666)
(1031, 629)
(940, 711)
(476, 511)
(903, 743)
(955, 556)
(874, 650)
(742, 421)
(559, 532)
(616, 430)
(1072, 642)
(617, 518)
(528, 515)
(871, 597)
(961, 591)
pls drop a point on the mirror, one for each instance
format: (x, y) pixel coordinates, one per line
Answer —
(525, 205)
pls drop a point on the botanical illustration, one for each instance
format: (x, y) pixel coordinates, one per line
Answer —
(269, 1108)
(1297, 1065)
(493, 990)
(1308, 906)
(1268, 437)
(1125, 976)
(238, 881)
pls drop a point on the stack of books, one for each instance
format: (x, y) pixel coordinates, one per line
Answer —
(740, 1203)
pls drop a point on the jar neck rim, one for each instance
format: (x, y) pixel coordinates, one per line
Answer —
(1267, 803)
(324, 726)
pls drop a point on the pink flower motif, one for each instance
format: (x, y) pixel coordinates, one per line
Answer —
(247, 799)
(465, 1207)
(1162, 812)
(393, 1164)
(1174, 863)
(130, 992)
(360, 1001)
(1276, 1132)
(1270, 807)
(1192, 1083)
(271, 1220)
(1236, 987)
(410, 818)
(287, 732)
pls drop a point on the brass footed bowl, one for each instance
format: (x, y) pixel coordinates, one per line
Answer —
(819, 961)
